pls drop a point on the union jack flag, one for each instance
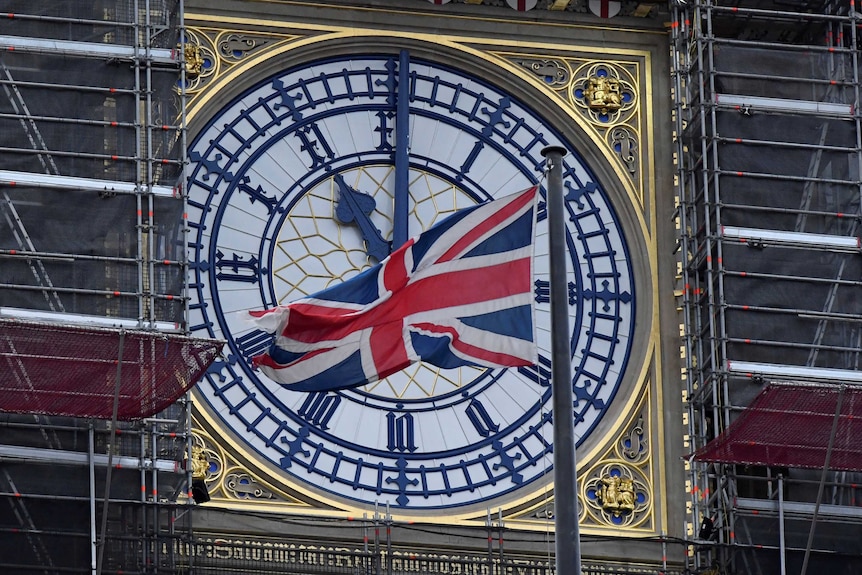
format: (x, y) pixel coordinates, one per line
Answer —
(458, 294)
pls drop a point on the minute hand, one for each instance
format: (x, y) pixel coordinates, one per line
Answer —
(355, 206)
(402, 155)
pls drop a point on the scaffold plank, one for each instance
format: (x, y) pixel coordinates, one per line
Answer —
(36, 180)
(784, 105)
(87, 49)
(780, 237)
(88, 320)
(64, 457)
(793, 372)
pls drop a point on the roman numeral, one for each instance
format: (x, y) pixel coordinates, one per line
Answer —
(253, 343)
(401, 432)
(480, 418)
(540, 373)
(542, 291)
(314, 144)
(318, 408)
(257, 194)
(541, 211)
(384, 129)
(236, 268)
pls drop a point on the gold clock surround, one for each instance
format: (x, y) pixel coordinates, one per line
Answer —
(236, 53)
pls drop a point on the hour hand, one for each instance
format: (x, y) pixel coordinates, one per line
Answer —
(356, 206)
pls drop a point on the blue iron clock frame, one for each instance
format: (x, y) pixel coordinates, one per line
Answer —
(308, 178)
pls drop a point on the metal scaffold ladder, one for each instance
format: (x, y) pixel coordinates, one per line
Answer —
(13, 220)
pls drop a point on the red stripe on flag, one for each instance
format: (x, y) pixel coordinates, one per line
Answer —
(471, 350)
(395, 272)
(266, 360)
(387, 349)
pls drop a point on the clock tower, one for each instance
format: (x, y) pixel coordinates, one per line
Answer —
(321, 139)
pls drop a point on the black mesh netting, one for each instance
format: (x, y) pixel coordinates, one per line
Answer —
(79, 116)
(81, 252)
(102, 21)
(792, 306)
(752, 72)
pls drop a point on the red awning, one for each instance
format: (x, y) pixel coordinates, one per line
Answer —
(789, 425)
(55, 369)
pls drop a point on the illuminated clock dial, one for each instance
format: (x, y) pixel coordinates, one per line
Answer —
(304, 181)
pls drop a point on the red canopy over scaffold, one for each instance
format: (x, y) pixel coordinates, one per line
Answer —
(69, 370)
(789, 425)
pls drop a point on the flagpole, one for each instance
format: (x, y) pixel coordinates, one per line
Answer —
(400, 230)
(567, 542)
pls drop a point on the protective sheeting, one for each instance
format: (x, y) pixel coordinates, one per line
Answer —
(751, 71)
(71, 370)
(103, 21)
(90, 123)
(770, 197)
(790, 425)
(835, 545)
(89, 127)
(786, 171)
(790, 305)
(91, 143)
(91, 105)
(84, 252)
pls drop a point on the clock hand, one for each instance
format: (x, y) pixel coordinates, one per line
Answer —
(355, 206)
(402, 158)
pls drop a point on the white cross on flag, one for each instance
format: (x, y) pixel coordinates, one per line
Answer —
(605, 8)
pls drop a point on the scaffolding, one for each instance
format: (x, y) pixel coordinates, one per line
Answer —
(768, 155)
(92, 274)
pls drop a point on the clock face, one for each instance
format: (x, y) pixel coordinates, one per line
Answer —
(309, 178)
